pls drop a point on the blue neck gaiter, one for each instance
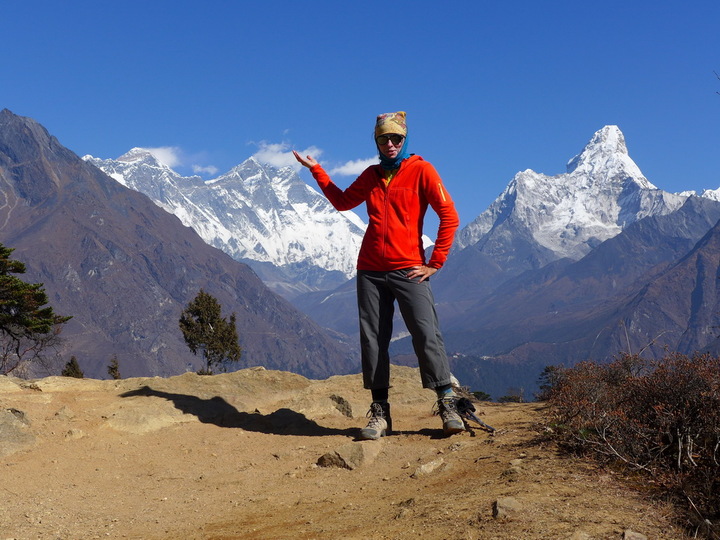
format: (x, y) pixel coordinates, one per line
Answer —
(389, 164)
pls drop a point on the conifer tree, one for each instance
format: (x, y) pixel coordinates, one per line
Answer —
(27, 325)
(114, 368)
(72, 369)
(205, 330)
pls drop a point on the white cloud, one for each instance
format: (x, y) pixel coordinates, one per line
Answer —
(275, 154)
(353, 168)
(280, 154)
(167, 155)
(209, 169)
(175, 157)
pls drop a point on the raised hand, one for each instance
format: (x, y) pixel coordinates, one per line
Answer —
(306, 161)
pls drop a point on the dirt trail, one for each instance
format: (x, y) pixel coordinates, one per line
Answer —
(236, 456)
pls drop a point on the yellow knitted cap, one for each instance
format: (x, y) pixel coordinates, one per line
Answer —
(393, 122)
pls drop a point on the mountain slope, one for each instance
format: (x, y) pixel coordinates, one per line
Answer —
(681, 306)
(539, 219)
(124, 268)
(650, 288)
(267, 217)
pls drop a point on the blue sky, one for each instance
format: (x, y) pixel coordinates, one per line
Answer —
(490, 88)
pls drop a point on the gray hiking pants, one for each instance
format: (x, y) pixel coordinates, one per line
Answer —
(377, 292)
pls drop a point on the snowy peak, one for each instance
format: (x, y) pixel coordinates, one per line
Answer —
(136, 155)
(607, 143)
(606, 158)
(568, 214)
(266, 217)
(257, 177)
(140, 167)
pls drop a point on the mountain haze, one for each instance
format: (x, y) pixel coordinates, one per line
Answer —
(124, 268)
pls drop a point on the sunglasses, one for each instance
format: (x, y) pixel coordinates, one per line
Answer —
(382, 140)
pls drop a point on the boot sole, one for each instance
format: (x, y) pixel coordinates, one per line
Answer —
(453, 430)
(371, 436)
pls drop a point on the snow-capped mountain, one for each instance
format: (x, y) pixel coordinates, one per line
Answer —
(123, 268)
(267, 217)
(602, 192)
(713, 194)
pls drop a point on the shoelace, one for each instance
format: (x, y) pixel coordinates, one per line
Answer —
(375, 414)
(376, 409)
(374, 421)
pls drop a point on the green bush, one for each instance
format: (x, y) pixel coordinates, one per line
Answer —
(29, 328)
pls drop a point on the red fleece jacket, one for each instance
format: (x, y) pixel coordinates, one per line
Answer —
(393, 239)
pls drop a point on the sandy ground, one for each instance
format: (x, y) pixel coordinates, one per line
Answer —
(236, 456)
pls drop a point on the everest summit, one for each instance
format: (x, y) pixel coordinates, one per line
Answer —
(266, 217)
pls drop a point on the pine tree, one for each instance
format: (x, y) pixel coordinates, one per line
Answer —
(548, 381)
(205, 330)
(72, 369)
(114, 368)
(27, 325)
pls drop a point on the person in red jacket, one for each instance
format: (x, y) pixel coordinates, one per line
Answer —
(392, 266)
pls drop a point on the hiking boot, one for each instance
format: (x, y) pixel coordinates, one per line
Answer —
(380, 423)
(452, 421)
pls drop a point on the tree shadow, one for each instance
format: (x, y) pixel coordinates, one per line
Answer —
(219, 412)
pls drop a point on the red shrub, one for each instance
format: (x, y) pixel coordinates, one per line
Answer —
(662, 418)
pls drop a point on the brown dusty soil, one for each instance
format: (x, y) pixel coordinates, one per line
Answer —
(236, 456)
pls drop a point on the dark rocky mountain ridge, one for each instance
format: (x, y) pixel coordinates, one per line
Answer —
(124, 269)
